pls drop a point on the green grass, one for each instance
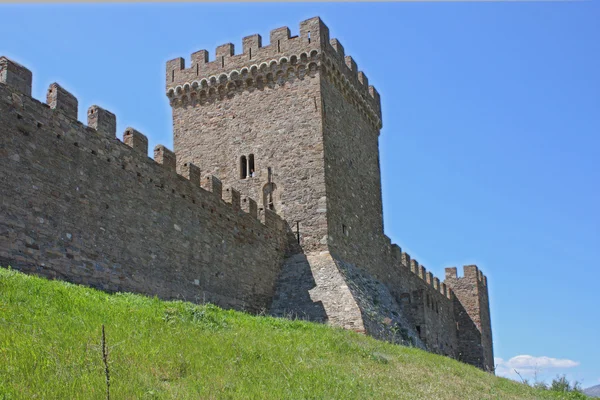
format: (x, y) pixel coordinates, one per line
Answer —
(50, 335)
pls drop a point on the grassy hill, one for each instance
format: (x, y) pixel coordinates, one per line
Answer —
(50, 336)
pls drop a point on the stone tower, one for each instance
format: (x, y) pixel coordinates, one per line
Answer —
(300, 116)
(472, 315)
(296, 126)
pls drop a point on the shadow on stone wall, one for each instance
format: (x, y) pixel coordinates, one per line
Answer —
(383, 317)
(470, 350)
(292, 299)
(319, 287)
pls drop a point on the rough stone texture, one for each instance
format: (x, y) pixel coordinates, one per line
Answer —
(318, 287)
(59, 99)
(15, 75)
(102, 121)
(312, 287)
(215, 135)
(137, 141)
(472, 314)
(165, 157)
(81, 207)
(305, 227)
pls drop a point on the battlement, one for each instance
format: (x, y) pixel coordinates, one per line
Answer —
(167, 212)
(404, 260)
(15, 75)
(286, 58)
(104, 123)
(472, 315)
(470, 272)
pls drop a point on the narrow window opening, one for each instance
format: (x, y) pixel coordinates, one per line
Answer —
(419, 330)
(197, 69)
(344, 229)
(250, 53)
(278, 46)
(172, 77)
(308, 36)
(243, 167)
(251, 172)
(298, 231)
(222, 61)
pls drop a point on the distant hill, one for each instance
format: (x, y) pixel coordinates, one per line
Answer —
(50, 348)
(593, 391)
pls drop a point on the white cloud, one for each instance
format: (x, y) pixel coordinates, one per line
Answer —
(530, 367)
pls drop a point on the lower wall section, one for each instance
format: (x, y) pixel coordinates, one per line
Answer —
(320, 287)
(311, 287)
(82, 206)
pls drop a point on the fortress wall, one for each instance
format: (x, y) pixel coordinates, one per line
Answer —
(472, 315)
(486, 325)
(80, 205)
(354, 208)
(427, 302)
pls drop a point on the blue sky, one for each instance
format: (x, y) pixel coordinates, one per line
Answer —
(490, 147)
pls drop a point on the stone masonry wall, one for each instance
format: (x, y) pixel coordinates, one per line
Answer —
(352, 174)
(80, 205)
(354, 207)
(472, 314)
(285, 143)
(320, 288)
(265, 102)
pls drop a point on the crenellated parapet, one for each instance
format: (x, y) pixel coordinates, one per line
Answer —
(404, 260)
(100, 212)
(313, 33)
(470, 272)
(223, 85)
(341, 70)
(103, 123)
(287, 58)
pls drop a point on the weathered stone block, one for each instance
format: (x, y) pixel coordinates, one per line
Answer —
(102, 121)
(136, 140)
(61, 100)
